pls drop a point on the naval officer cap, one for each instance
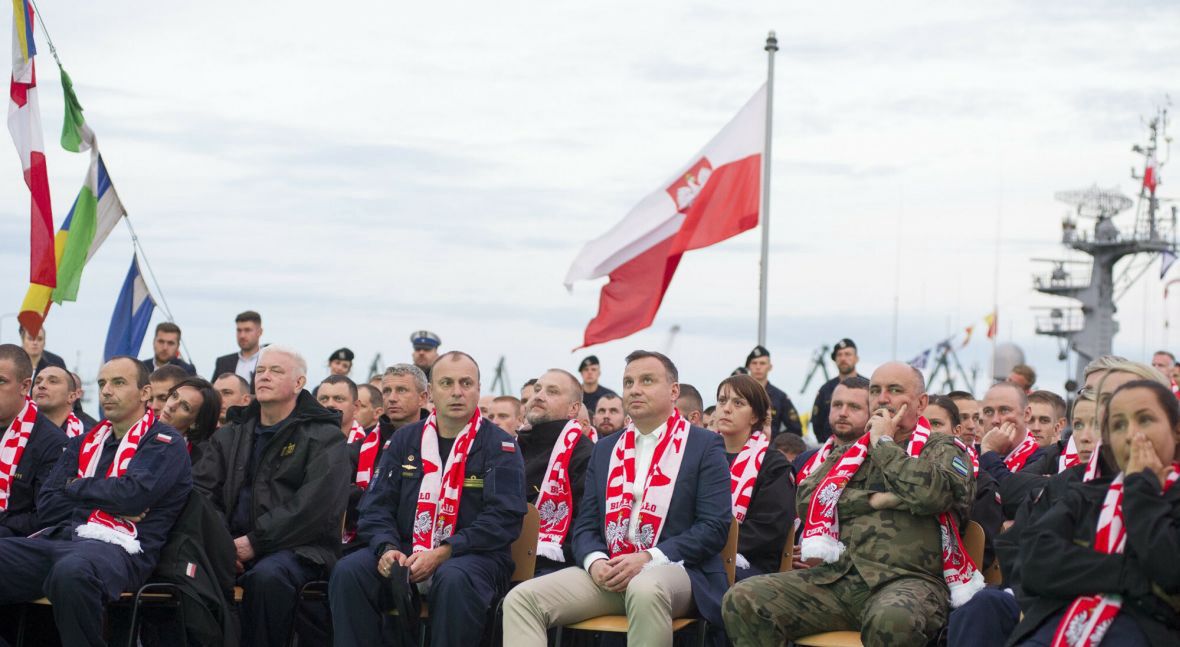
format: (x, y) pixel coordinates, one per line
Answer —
(344, 355)
(841, 345)
(591, 360)
(425, 340)
(759, 351)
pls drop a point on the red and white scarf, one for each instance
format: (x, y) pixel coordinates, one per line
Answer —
(356, 433)
(442, 484)
(12, 447)
(1016, 459)
(1086, 620)
(658, 485)
(958, 569)
(974, 457)
(74, 427)
(821, 532)
(555, 503)
(367, 459)
(1069, 457)
(744, 472)
(102, 525)
(817, 459)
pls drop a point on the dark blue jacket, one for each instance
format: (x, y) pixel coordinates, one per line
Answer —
(158, 480)
(993, 463)
(697, 524)
(491, 507)
(41, 453)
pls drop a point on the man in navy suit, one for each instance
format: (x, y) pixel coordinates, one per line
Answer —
(649, 529)
(454, 544)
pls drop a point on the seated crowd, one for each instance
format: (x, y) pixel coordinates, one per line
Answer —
(404, 496)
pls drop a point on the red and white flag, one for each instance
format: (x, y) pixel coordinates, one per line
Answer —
(715, 196)
(1151, 178)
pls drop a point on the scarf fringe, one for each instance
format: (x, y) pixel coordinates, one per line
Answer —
(823, 547)
(962, 593)
(741, 562)
(550, 550)
(110, 536)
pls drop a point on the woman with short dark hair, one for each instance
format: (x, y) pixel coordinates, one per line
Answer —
(763, 493)
(192, 408)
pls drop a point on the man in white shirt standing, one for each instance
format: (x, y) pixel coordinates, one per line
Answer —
(650, 529)
(245, 361)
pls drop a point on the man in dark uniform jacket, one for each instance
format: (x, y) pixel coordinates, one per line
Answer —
(591, 389)
(18, 515)
(844, 355)
(81, 575)
(462, 555)
(783, 416)
(278, 471)
(548, 412)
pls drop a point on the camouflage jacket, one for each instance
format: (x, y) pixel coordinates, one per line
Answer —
(904, 541)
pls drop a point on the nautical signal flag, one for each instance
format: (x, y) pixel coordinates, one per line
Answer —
(24, 123)
(991, 322)
(714, 196)
(133, 313)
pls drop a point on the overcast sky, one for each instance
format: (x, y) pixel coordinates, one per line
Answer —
(361, 173)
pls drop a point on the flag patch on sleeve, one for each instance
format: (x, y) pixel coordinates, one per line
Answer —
(164, 438)
(960, 466)
(508, 446)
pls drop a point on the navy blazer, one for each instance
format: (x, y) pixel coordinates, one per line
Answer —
(697, 525)
(46, 442)
(491, 507)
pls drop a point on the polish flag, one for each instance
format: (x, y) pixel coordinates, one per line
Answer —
(715, 196)
(1151, 175)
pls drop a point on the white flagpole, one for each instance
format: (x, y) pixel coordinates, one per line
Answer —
(771, 48)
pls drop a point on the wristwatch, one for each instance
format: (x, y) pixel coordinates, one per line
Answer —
(885, 439)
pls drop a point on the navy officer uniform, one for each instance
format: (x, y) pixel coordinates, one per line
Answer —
(783, 415)
(465, 586)
(80, 576)
(41, 454)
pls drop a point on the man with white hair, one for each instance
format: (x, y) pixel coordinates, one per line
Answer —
(278, 471)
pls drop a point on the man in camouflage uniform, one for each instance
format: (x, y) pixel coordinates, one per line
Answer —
(888, 582)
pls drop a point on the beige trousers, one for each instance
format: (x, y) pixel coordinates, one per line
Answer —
(652, 599)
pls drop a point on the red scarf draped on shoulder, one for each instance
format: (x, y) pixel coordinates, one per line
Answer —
(102, 525)
(12, 447)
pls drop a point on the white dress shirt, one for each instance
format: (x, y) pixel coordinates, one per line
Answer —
(645, 449)
(246, 367)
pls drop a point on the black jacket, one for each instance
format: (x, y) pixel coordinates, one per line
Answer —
(150, 363)
(784, 417)
(228, 364)
(770, 515)
(1016, 489)
(993, 463)
(199, 559)
(301, 485)
(491, 506)
(1061, 564)
(158, 481)
(535, 446)
(42, 452)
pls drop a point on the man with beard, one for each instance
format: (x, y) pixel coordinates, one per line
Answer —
(555, 458)
(845, 357)
(609, 417)
(848, 413)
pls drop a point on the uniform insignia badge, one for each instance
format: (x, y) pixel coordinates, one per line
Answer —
(164, 438)
(960, 466)
(508, 446)
(409, 467)
(409, 459)
(288, 449)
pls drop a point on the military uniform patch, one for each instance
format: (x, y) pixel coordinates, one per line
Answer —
(960, 466)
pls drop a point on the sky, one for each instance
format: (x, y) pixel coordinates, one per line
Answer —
(360, 174)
